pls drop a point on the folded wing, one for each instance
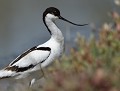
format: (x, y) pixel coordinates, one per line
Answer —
(28, 60)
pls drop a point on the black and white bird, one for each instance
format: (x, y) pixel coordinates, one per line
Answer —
(42, 55)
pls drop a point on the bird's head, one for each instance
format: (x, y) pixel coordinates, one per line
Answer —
(53, 13)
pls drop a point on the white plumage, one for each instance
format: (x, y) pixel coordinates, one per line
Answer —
(42, 55)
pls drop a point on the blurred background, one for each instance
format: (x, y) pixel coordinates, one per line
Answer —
(21, 25)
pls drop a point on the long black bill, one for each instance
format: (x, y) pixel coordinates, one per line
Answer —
(60, 17)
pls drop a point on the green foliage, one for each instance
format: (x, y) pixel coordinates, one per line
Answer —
(94, 66)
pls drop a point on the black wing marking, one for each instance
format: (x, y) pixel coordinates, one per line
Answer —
(22, 55)
(22, 69)
(28, 51)
(44, 48)
(17, 69)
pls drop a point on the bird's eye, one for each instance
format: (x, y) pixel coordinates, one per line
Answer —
(55, 11)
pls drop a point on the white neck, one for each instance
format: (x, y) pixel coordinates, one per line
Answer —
(55, 31)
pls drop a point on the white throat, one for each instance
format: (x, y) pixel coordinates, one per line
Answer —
(55, 31)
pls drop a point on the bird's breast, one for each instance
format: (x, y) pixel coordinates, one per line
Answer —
(56, 51)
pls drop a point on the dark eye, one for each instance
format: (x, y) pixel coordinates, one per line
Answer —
(55, 12)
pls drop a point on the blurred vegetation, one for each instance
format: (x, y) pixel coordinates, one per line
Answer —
(93, 66)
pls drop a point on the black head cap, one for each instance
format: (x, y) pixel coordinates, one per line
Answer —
(54, 11)
(51, 10)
